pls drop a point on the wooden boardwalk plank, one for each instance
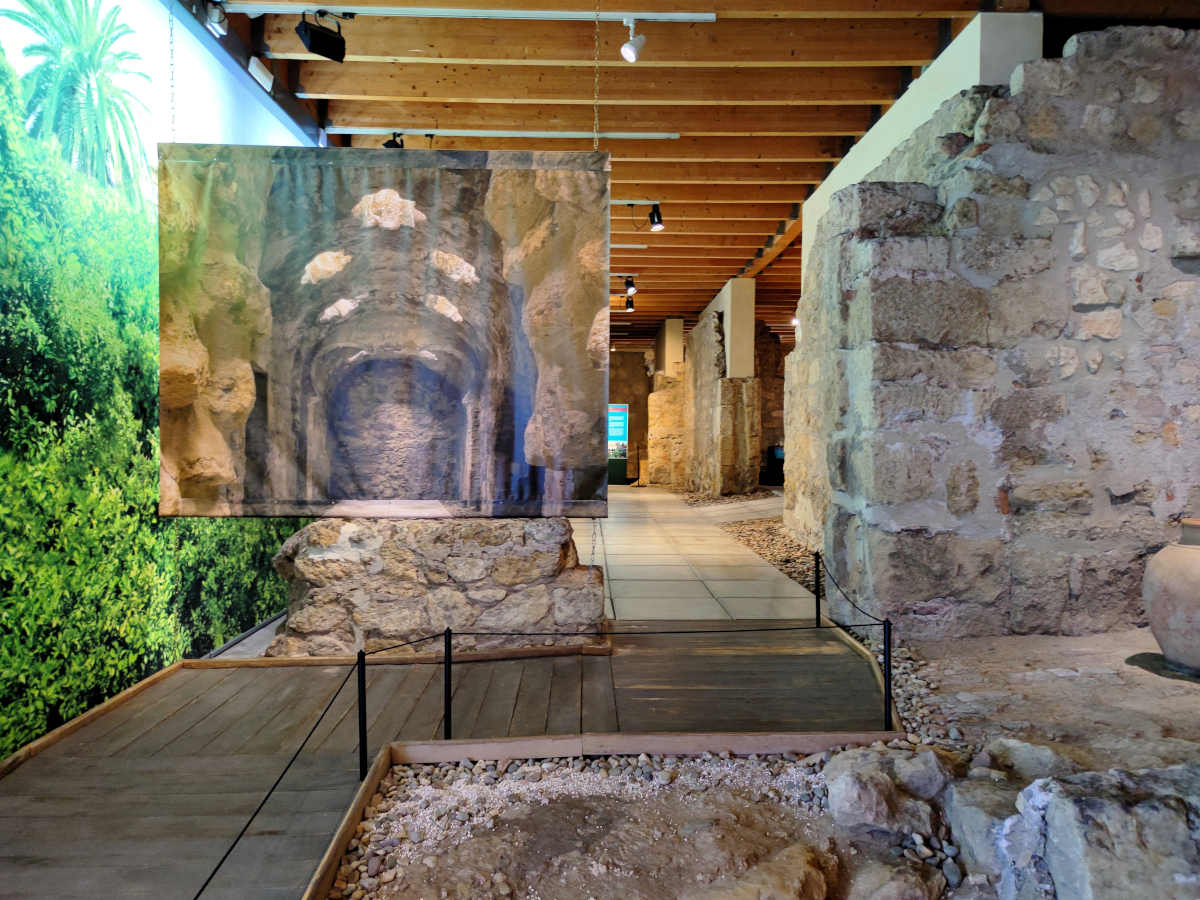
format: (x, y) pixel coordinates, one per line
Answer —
(136, 719)
(288, 730)
(147, 705)
(501, 697)
(533, 700)
(470, 683)
(599, 706)
(425, 721)
(565, 696)
(198, 708)
(398, 702)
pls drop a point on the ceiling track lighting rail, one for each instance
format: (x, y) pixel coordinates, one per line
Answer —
(266, 7)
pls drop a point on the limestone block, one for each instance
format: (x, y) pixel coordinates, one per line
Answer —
(1007, 258)
(944, 368)
(1022, 418)
(937, 586)
(877, 209)
(938, 313)
(1114, 833)
(962, 488)
(892, 472)
(1105, 324)
(896, 256)
(1016, 313)
(975, 810)
(370, 583)
(1054, 496)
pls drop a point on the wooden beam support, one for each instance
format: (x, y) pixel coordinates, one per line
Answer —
(719, 173)
(525, 85)
(712, 193)
(726, 9)
(709, 120)
(724, 43)
(685, 149)
(722, 214)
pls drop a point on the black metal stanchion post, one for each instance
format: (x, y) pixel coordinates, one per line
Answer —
(362, 715)
(817, 584)
(887, 674)
(446, 687)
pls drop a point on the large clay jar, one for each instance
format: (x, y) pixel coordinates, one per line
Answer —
(1171, 592)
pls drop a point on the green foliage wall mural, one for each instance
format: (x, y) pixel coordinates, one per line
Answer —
(95, 591)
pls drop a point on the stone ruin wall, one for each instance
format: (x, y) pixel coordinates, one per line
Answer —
(665, 436)
(629, 382)
(768, 368)
(993, 409)
(366, 584)
(721, 417)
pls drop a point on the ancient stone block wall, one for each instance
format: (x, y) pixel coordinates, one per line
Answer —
(665, 435)
(721, 417)
(629, 382)
(994, 409)
(768, 368)
(370, 583)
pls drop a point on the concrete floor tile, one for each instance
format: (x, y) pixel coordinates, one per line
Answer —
(738, 573)
(669, 608)
(651, 573)
(785, 587)
(667, 590)
(769, 607)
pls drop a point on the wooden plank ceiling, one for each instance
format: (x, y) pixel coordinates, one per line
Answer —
(765, 99)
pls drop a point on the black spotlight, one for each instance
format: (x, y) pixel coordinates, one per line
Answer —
(630, 287)
(628, 304)
(395, 142)
(656, 222)
(320, 40)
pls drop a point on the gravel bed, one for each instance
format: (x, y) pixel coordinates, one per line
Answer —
(704, 500)
(422, 813)
(767, 538)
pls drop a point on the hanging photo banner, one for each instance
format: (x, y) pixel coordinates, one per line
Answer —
(382, 333)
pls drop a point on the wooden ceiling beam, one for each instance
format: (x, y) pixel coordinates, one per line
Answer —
(721, 217)
(672, 243)
(712, 193)
(719, 173)
(725, 9)
(629, 86)
(729, 149)
(708, 120)
(724, 43)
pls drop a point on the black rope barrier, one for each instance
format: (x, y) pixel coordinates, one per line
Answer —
(878, 621)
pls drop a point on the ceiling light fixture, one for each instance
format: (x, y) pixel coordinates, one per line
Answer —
(630, 287)
(632, 47)
(321, 40)
(795, 321)
(656, 222)
(395, 142)
(628, 304)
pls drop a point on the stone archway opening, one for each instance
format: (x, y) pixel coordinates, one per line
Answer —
(397, 429)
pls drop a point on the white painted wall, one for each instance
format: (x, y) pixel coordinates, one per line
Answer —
(735, 302)
(668, 348)
(985, 52)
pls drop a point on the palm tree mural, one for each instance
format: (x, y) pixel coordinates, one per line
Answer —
(72, 95)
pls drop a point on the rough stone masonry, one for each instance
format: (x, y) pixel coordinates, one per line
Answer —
(994, 411)
(366, 584)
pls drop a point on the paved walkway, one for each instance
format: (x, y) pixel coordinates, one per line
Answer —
(665, 560)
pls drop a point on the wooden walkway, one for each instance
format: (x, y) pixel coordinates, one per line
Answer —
(142, 801)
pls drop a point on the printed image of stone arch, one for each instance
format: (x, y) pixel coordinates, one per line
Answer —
(382, 333)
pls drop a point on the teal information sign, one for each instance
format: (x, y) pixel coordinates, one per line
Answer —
(618, 421)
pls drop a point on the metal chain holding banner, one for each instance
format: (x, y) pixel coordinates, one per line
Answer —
(171, 65)
(596, 80)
